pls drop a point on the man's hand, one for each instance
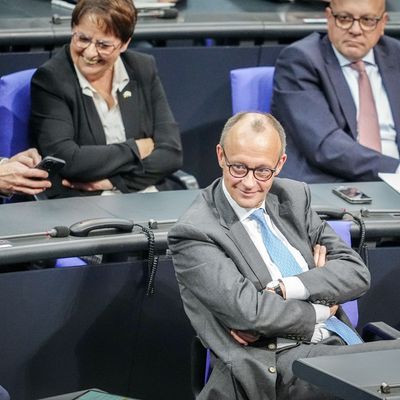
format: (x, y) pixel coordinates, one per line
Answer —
(319, 255)
(104, 184)
(145, 146)
(244, 338)
(333, 309)
(29, 157)
(17, 176)
(320, 261)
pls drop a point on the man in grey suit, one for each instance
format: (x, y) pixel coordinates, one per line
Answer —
(316, 96)
(254, 317)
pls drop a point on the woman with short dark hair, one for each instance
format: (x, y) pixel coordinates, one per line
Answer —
(103, 109)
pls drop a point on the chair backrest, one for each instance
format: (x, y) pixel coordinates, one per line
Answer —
(15, 103)
(342, 228)
(251, 88)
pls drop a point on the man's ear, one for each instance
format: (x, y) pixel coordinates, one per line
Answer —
(220, 155)
(281, 163)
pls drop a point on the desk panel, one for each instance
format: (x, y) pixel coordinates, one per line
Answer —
(68, 329)
(353, 376)
(31, 217)
(27, 22)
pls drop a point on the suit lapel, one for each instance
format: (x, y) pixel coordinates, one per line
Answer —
(388, 65)
(239, 236)
(92, 116)
(282, 217)
(128, 100)
(93, 120)
(340, 86)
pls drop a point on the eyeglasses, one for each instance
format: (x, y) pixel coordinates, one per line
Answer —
(83, 42)
(238, 170)
(346, 21)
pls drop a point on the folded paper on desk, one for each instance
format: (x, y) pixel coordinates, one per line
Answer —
(393, 180)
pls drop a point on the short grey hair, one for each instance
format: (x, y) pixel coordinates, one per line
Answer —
(258, 124)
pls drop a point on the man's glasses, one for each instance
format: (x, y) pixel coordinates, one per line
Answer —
(346, 21)
(83, 42)
(238, 170)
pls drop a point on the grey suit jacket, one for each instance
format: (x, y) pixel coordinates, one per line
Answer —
(312, 100)
(222, 276)
(65, 124)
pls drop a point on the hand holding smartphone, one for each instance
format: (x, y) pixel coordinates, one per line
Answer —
(352, 195)
(51, 164)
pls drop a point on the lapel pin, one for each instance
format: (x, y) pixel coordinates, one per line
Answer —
(127, 94)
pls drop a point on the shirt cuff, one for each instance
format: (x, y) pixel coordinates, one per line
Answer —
(295, 288)
(398, 170)
(322, 313)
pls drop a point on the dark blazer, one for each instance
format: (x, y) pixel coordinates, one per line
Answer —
(65, 124)
(221, 277)
(313, 102)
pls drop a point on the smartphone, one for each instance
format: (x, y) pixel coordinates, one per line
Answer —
(51, 164)
(352, 194)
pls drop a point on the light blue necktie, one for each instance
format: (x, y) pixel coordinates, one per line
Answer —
(288, 266)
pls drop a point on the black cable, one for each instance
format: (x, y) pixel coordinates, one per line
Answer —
(152, 260)
(362, 246)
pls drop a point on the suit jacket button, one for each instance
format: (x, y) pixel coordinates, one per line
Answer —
(271, 346)
(272, 370)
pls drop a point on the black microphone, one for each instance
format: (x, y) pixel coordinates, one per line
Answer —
(167, 13)
(57, 231)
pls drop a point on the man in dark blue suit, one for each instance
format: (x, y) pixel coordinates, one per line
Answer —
(316, 96)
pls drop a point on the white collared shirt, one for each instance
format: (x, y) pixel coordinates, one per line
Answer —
(385, 117)
(295, 288)
(111, 118)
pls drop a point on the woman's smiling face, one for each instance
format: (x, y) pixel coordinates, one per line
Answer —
(103, 48)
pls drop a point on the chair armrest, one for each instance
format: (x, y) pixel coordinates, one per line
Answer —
(186, 180)
(379, 330)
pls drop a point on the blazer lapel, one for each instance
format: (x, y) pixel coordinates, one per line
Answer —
(128, 100)
(340, 86)
(239, 236)
(93, 120)
(281, 215)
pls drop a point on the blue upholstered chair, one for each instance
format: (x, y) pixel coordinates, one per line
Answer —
(15, 102)
(251, 88)
(342, 228)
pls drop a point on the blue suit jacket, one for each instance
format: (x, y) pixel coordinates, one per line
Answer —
(313, 102)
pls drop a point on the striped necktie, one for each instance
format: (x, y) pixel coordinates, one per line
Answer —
(288, 266)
